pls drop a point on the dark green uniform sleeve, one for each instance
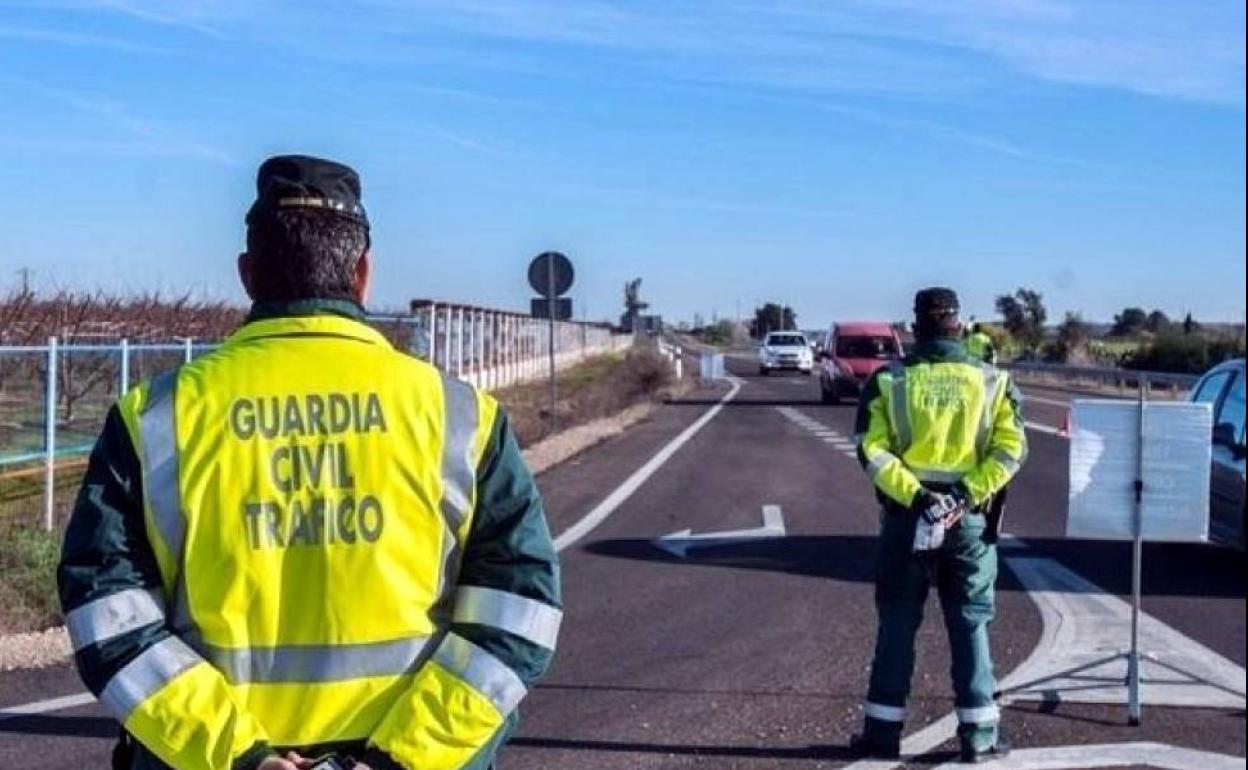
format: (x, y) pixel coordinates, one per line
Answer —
(509, 551)
(108, 581)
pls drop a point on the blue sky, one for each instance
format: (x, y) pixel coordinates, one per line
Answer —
(835, 156)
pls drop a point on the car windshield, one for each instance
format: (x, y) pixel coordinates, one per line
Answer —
(786, 340)
(865, 347)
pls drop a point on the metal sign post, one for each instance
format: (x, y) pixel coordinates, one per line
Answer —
(550, 275)
(1138, 471)
(1137, 567)
(550, 326)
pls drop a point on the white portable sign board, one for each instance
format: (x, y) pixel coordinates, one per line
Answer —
(1105, 462)
(711, 366)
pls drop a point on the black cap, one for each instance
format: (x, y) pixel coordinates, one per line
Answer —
(936, 301)
(301, 181)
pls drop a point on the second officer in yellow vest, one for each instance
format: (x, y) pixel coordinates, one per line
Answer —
(938, 433)
(307, 540)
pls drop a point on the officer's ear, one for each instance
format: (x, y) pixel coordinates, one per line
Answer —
(363, 277)
(246, 268)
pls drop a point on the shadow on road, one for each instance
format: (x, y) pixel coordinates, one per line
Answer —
(62, 726)
(1198, 571)
(834, 753)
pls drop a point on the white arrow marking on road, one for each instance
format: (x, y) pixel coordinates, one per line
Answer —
(679, 543)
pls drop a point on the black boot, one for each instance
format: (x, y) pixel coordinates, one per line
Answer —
(871, 747)
(999, 749)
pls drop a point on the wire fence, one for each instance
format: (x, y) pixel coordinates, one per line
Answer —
(54, 397)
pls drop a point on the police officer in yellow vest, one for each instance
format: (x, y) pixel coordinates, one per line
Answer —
(938, 433)
(979, 345)
(306, 542)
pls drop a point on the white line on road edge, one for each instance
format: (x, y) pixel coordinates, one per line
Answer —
(1159, 755)
(1042, 428)
(45, 706)
(624, 491)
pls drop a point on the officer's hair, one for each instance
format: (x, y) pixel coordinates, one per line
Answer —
(937, 325)
(305, 254)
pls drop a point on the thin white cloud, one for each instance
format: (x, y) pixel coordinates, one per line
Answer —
(467, 143)
(77, 39)
(140, 136)
(1185, 50)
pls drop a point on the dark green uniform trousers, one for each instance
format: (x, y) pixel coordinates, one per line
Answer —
(964, 572)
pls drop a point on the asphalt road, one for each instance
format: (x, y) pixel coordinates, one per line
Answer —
(755, 654)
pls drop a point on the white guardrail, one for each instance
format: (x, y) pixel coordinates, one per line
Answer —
(1121, 379)
(58, 387)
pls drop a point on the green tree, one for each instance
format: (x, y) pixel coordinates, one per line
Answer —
(1023, 316)
(772, 317)
(1157, 322)
(1129, 322)
(1189, 324)
(1073, 335)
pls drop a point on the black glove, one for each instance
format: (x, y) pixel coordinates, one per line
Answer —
(962, 495)
(934, 508)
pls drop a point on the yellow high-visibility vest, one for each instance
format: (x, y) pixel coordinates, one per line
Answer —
(942, 423)
(308, 494)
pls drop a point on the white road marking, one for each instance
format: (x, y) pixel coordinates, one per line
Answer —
(1042, 428)
(624, 491)
(1084, 627)
(1159, 755)
(679, 543)
(46, 706)
(1065, 636)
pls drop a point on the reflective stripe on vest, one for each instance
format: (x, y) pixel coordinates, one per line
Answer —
(317, 663)
(459, 478)
(160, 463)
(938, 476)
(1011, 464)
(992, 385)
(526, 618)
(877, 464)
(482, 671)
(899, 407)
(145, 675)
(113, 615)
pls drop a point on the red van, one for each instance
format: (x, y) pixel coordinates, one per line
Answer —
(852, 353)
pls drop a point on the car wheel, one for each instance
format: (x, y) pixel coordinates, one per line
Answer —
(763, 371)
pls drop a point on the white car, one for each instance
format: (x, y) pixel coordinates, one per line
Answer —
(785, 350)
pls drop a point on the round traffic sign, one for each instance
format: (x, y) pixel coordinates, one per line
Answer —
(550, 274)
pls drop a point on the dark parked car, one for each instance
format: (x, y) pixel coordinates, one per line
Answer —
(1223, 387)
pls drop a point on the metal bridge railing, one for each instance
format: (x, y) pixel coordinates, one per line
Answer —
(54, 397)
